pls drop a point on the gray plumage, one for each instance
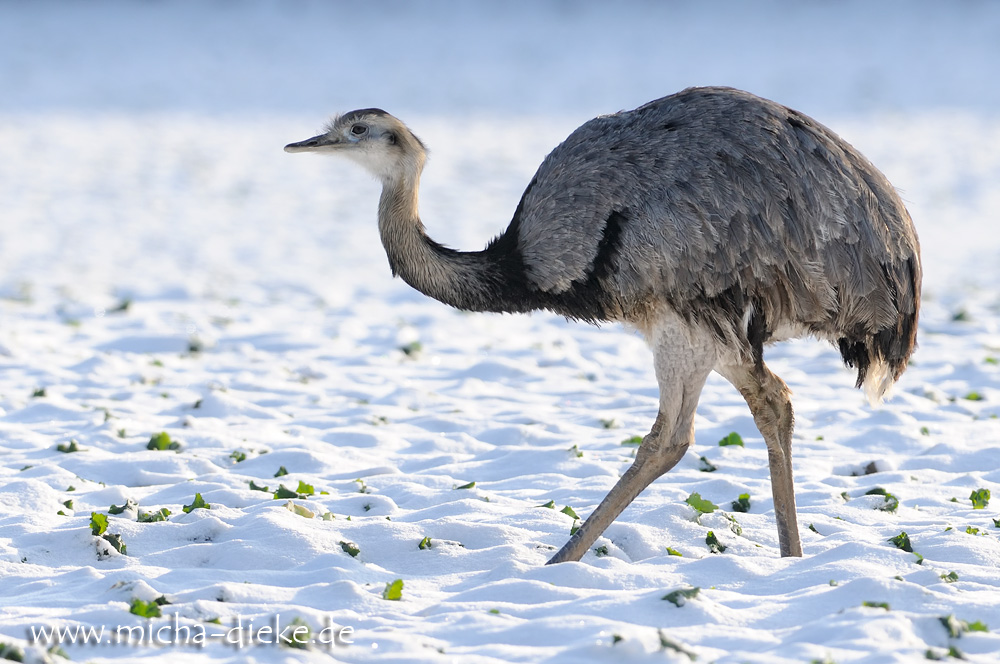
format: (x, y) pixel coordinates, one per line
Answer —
(711, 220)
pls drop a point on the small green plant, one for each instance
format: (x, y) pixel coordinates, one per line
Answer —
(256, 487)
(119, 509)
(161, 441)
(891, 502)
(734, 525)
(924, 431)
(936, 655)
(902, 541)
(122, 307)
(742, 503)
(680, 597)
(732, 439)
(570, 512)
(238, 456)
(973, 396)
(876, 605)
(350, 548)
(116, 541)
(98, 523)
(393, 590)
(714, 545)
(38, 393)
(71, 446)
(299, 634)
(601, 551)
(980, 498)
(950, 577)
(145, 609)
(706, 466)
(666, 643)
(411, 349)
(551, 505)
(632, 440)
(608, 423)
(302, 491)
(576, 451)
(11, 653)
(282, 471)
(470, 485)
(153, 517)
(99, 526)
(972, 530)
(674, 552)
(197, 504)
(425, 543)
(957, 628)
(700, 505)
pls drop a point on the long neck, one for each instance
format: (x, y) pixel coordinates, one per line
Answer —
(473, 281)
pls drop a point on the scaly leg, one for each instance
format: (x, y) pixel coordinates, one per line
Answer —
(684, 359)
(768, 398)
(650, 462)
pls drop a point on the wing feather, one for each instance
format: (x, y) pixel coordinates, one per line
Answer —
(725, 191)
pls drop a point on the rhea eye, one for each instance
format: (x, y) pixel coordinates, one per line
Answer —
(358, 129)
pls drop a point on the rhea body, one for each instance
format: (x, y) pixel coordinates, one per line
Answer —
(713, 221)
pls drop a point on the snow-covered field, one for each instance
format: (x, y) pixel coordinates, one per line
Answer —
(165, 267)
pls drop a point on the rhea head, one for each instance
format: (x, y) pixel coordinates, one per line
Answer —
(379, 142)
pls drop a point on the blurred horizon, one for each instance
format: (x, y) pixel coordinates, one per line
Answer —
(448, 57)
(139, 130)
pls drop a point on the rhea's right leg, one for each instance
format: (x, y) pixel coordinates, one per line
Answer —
(651, 460)
(683, 359)
(768, 398)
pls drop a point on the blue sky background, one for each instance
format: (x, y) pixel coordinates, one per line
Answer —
(450, 57)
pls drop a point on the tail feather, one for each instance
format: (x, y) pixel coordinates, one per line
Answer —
(881, 356)
(878, 381)
(876, 373)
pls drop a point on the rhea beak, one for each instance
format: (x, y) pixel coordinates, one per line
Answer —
(313, 144)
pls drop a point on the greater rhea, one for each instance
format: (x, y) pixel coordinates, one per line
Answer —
(714, 222)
